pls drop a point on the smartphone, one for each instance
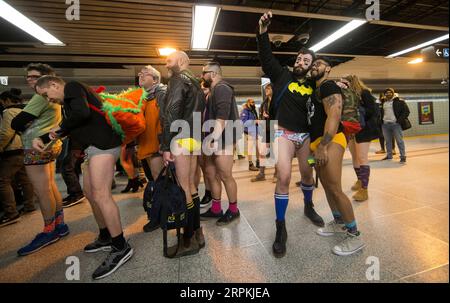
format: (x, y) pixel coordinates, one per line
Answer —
(267, 22)
(48, 146)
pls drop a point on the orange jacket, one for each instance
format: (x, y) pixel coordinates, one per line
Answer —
(148, 141)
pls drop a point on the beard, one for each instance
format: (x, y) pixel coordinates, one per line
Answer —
(173, 71)
(317, 75)
(300, 72)
(208, 82)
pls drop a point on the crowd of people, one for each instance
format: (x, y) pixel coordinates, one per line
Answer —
(305, 104)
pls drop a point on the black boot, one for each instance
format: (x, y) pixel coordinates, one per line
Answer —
(312, 215)
(279, 246)
(133, 185)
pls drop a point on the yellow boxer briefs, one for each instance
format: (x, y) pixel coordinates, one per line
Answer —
(339, 138)
(189, 144)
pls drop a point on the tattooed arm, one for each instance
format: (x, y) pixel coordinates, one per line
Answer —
(333, 108)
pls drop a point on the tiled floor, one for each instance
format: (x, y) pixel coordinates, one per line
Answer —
(405, 225)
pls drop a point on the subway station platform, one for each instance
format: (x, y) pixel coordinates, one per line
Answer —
(405, 224)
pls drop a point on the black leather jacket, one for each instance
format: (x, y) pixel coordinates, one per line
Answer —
(184, 97)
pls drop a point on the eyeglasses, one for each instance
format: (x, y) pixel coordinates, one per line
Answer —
(317, 63)
(144, 74)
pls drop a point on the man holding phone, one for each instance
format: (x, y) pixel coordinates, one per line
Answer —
(102, 149)
(292, 107)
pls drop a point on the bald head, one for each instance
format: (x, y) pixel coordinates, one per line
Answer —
(177, 62)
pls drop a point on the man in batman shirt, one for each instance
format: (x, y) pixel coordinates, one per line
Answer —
(292, 107)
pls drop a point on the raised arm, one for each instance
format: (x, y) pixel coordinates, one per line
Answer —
(270, 65)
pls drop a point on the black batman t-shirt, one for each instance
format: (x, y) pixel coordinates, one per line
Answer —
(293, 107)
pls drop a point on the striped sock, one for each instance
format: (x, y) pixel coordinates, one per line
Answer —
(364, 175)
(281, 203)
(59, 217)
(351, 227)
(307, 193)
(49, 225)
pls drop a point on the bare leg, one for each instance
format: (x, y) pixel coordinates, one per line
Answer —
(40, 178)
(305, 169)
(224, 167)
(56, 193)
(354, 153)
(88, 193)
(362, 151)
(330, 177)
(285, 154)
(198, 173)
(211, 175)
(101, 173)
(156, 165)
(183, 170)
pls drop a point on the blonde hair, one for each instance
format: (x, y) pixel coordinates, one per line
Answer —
(154, 72)
(356, 84)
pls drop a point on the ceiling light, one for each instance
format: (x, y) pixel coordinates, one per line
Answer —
(166, 51)
(415, 61)
(439, 39)
(205, 18)
(352, 25)
(15, 17)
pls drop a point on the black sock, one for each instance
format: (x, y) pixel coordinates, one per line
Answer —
(189, 229)
(119, 242)
(196, 201)
(207, 193)
(104, 234)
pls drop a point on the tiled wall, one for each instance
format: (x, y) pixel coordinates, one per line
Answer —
(441, 116)
(440, 109)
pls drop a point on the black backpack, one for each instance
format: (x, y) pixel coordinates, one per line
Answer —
(168, 204)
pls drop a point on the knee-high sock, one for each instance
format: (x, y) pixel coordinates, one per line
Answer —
(196, 201)
(307, 193)
(365, 175)
(189, 229)
(281, 203)
(358, 172)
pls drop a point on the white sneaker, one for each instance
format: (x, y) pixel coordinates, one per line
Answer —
(350, 245)
(332, 228)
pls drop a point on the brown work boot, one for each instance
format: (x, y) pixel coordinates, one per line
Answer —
(259, 177)
(186, 247)
(357, 186)
(361, 195)
(200, 237)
